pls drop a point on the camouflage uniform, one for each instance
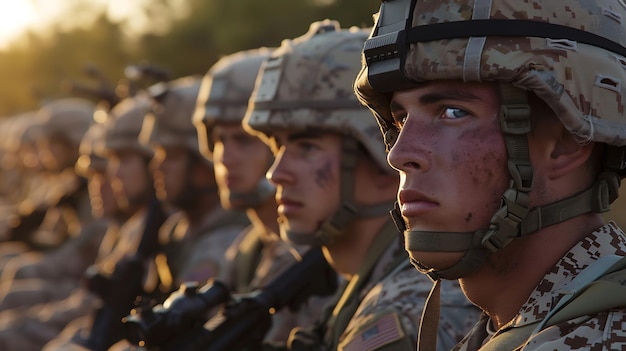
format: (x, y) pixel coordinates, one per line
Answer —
(199, 255)
(599, 331)
(73, 317)
(383, 306)
(27, 278)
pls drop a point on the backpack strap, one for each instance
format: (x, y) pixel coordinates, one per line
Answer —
(597, 288)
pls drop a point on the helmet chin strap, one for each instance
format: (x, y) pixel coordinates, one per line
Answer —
(333, 228)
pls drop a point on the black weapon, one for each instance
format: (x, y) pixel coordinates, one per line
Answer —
(243, 320)
(142, 75)
(97, 93)
(102, 91)
(120, 289)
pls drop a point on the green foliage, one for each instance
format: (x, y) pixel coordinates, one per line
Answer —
(33, 71)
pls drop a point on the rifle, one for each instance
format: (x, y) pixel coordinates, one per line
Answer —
(120, 290)
(104, 91)
(243, 320)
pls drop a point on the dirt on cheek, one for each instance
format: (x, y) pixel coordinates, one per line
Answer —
(469, 217)
(324, 175)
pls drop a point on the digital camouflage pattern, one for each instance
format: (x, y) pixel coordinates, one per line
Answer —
(317, 90)
(600, 331)
(197, 254)
(402, 294)
(582, 83)
(225, 91)
(387, 306)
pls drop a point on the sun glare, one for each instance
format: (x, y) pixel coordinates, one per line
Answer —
(15, 18)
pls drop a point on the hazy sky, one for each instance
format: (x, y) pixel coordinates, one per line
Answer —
(16, 16)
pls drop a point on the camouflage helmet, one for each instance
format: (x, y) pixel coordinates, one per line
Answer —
(169, 121)
(307, 83)
(123, 125)
(317, 91)
(223, 99)
(225, 91)
(571, 54)
(67, 119)
(546, 47)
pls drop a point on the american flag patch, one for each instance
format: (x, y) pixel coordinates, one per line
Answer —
(382, 332)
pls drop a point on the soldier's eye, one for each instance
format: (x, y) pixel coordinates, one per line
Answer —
(453, 113)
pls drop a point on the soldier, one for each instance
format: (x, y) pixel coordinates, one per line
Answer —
(67, 210)
(334, 189)
(31, 328)
(64, 123)
(73, 257)
(21, 213)
(196, 237)
(131, 183)
(241, 161)
(505, 120)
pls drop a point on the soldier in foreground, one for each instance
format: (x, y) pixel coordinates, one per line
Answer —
(334, 190)
(509, 144)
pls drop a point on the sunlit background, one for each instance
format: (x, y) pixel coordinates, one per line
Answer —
(46, 42)
(20, 16)
(15, 18)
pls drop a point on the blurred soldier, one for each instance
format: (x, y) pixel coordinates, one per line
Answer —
(506, 122)
(131, 183)
(64, 122)
(67, 210)
(21, 159)
(196, 237)
(241, 160)
(335, 188)
(71, 259)
(13, 165)
(31, 328)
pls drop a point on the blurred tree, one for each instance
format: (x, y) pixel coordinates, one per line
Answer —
(33, 72)
(212, 29)
(184, 36)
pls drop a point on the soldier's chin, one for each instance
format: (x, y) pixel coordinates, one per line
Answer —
(436, 260)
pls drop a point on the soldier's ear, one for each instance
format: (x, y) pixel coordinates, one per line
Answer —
(566, 154)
